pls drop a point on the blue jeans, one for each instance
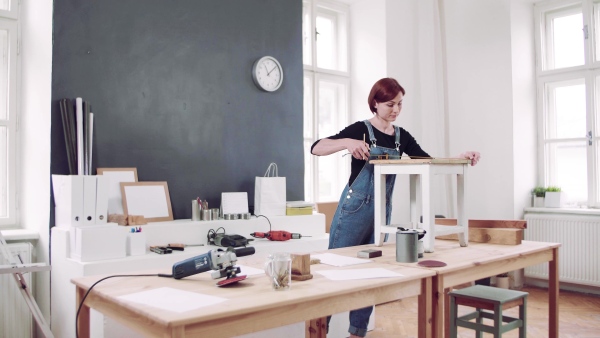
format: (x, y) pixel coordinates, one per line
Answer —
(354, 219)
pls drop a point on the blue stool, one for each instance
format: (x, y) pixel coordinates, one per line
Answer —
(492, 299)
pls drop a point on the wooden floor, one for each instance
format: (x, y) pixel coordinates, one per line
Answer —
(579, 316)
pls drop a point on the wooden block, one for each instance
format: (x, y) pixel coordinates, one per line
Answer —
(117, 218)
(136, 220)
(491, 235)
(301, 266)
(301, 277)
(486, 223)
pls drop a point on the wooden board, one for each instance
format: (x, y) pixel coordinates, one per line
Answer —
(327, 208)
(422, 161)
(491, 235)
(486, 223)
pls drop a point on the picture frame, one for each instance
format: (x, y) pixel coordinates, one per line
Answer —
(117, 175)
(148, 199)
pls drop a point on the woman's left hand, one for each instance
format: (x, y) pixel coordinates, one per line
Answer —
(471, 155)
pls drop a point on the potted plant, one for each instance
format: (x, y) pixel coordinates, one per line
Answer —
(503, 281)
(553, 197)
(538, 196)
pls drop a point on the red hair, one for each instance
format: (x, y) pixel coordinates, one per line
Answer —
(384, 90)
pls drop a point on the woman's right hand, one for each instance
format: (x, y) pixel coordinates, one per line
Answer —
(359, 149)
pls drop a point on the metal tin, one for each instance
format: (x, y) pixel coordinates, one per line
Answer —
(407, 246)
(247, 215)
(206, 215)
(227, 216)
(214, 214)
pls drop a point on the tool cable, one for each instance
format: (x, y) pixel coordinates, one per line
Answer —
(105, 278)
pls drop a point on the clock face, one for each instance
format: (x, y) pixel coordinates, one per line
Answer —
(267, 73)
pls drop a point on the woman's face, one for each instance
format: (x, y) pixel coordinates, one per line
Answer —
(389, 110)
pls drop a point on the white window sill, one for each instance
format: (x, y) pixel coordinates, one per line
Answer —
(572, 211)
(20, 235)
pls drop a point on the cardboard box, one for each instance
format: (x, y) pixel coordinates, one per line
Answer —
(98, 242)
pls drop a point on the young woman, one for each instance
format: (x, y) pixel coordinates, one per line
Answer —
(353, 222)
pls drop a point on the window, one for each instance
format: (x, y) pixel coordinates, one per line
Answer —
(568, 75)
(8, 111)
(326, 95)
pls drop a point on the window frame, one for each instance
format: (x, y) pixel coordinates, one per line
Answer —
(9, 21)
(315, 73)
(589, 72)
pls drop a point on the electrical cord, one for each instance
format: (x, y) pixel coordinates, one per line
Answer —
(212, 234)
(267, 220)
(105, 278)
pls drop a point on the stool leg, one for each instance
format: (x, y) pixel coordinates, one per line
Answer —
(523, 317)
(497, 321)
(479, 320)
(453, 314)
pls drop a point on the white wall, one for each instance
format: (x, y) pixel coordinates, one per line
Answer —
(524, 104)
(480, 100)
(36, 71)
(368, 53)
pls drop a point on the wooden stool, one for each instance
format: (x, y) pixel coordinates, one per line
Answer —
(488, 298)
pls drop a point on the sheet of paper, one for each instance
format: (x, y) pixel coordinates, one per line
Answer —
(359, 274)
(174, 300)
(234, 203)
(250, 271)
(339, 260)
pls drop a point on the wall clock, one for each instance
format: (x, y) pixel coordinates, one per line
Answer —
(267, 73)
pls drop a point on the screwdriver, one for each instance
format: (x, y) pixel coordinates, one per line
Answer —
(181, 246)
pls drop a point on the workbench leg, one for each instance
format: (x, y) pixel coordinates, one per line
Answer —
(83, 321)
(447, 312)
(553, 295)
(437, 306)
(316, 328)
(425, 309)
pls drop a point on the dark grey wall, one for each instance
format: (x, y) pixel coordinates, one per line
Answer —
(171, 89)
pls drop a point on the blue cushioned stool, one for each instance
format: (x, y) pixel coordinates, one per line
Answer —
(492, 299)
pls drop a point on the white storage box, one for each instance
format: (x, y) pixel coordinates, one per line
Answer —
(136, 243)
(98, 242)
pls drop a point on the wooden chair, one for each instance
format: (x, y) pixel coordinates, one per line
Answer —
(492, 299)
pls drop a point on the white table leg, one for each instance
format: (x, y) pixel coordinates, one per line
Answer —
(427, 209)
(463, 237)
(380, 201)
(415, 200)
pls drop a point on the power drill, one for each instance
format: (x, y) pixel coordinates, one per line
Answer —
(222, 261)
(277, 235)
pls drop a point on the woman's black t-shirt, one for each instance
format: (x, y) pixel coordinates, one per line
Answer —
(358, 130)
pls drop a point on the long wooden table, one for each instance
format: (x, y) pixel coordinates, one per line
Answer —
(252, 305)
(477, 261)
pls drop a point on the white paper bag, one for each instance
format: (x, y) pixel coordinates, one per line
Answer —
(270, 193)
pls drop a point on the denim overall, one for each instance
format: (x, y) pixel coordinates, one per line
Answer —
(353, 222)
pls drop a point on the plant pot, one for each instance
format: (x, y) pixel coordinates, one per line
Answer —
(503, 282)
(553, 199)
(538, 202)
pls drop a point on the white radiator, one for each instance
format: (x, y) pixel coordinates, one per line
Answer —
(579, 255)
(15, 317)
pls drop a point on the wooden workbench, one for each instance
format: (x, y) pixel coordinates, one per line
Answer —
(252, 305)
